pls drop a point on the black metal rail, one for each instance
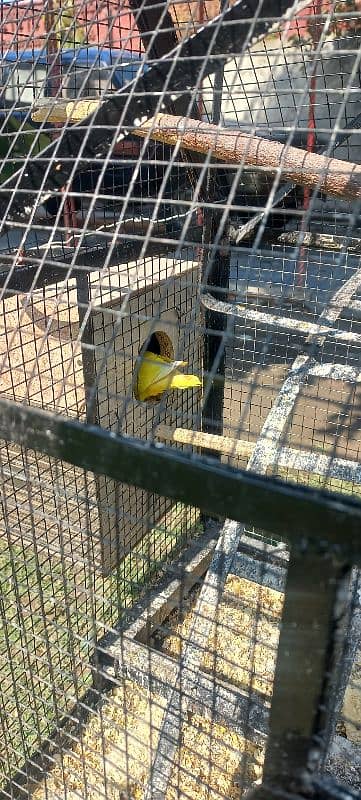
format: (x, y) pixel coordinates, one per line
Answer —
(305, 686)
(291, 512)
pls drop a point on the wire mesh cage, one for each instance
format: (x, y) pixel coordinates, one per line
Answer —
(180, 399)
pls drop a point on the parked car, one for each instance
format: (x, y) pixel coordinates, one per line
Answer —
(27, 76)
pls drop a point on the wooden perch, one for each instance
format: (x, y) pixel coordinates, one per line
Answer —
(60, 111)
(211, 441)
(314, 463)
(330, 175)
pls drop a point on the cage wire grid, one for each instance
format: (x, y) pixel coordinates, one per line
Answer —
(175, 621)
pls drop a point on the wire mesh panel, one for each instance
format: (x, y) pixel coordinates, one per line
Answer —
(180, 327)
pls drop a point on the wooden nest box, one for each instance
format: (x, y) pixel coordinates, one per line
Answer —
(83, 365)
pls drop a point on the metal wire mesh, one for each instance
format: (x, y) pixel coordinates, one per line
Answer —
(144, 648)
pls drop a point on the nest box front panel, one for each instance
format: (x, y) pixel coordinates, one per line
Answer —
(161, 317)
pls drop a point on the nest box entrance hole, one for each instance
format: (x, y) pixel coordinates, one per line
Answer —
(160, 344)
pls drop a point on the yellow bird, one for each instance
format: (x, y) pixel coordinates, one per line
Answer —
(156, 374)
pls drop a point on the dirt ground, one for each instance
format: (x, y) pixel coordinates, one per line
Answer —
(212, 761)
(326, 416)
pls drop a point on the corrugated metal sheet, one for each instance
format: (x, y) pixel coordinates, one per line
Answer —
(22, 25)
(111, 23)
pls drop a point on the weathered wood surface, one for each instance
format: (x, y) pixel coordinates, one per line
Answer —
(278, 321)
(188, 669)
(157, 604)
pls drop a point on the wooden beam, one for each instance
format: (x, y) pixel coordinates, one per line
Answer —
(265, 574)
(264, 552)
(275, 320)
(221, 444)
(230, 146)
(162, 604)
(156, 605)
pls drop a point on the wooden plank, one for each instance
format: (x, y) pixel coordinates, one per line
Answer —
(172, 597)
(269, 575)
(220, 444)
(264, 551)
(288, 458)
(242, 711)
(156, 605)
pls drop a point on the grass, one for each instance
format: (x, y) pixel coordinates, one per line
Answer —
(53, 610)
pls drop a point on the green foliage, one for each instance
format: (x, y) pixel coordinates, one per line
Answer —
(18, 139)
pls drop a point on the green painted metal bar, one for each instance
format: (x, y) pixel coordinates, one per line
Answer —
(289, 511)
(307, 671)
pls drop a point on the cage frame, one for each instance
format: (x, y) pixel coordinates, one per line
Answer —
(267, 503)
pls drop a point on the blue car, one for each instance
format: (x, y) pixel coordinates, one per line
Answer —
(26, 76)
